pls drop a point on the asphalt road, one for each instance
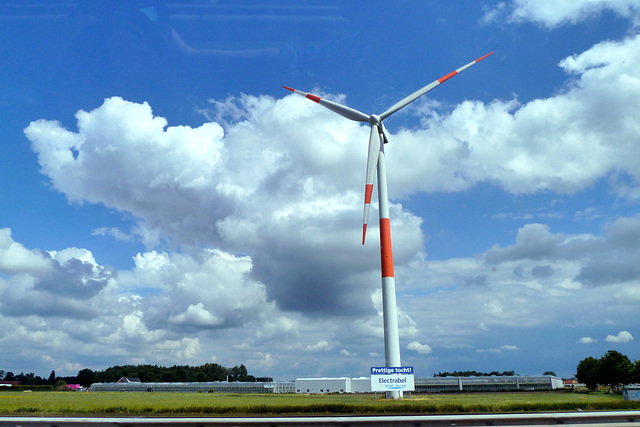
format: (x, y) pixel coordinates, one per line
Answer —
(575, 419)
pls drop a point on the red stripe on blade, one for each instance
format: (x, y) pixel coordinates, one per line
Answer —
(482, 57)
(368, 191)
(364, 232)
(447, 77)
(288, 88)
(313, 97)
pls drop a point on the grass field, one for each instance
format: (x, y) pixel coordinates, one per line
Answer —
(130, 403)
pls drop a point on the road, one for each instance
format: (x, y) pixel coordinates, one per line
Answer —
(575, 419)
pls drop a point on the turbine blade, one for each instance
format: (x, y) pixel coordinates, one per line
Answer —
(344, 111)
(417, 94)
(372, 163)
(383, 132)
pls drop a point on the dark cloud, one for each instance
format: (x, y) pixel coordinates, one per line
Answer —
(542, 271)
(76, 279)
(609, 272)
(22, 299)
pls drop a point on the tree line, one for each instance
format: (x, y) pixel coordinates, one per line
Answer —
(613, 370)
(146, 373)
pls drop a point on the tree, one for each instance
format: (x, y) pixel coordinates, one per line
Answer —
(615, 369)
(635, 372)
(553, 374)
(238, 373)
(587, 372)
(32, 379)
(52, 378)
(85, 377)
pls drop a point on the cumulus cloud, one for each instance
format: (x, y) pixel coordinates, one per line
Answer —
(533, 241)
(51, 284)
(319, 346)
(419, 348)
(622, 337)
(15, 258)
(277, 185)
(551, 13)
(586, 340)
(210, 290)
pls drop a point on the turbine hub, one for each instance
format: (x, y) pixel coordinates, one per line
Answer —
(374, 120)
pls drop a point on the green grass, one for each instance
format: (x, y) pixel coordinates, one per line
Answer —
(196, 404)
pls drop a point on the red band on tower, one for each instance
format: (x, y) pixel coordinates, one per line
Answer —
(386, 255)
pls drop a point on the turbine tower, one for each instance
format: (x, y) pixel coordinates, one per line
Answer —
(376, 160)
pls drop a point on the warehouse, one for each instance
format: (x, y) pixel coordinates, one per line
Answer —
(502, 383)
(333, 385)
(342, 385)
(433, 385)
(198, 387)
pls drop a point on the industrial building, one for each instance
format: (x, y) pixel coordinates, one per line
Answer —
(343, 385)
(333, 385)
(501, 383)
(198, 387)
(433, 385)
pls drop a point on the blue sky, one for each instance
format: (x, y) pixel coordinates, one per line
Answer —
(167, 202)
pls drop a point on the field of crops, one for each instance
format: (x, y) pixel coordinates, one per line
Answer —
(129, 403)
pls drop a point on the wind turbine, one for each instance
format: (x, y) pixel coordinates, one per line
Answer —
(376, 158)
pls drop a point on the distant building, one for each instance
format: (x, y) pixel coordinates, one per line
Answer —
(9, 383)
(631, 392)
(197, 387)
(493, 383)
(333, 385)
(432, 385)
(338, 385)
(125, 380)
(572, 383)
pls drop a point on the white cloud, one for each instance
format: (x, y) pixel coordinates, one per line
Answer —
(193, 185)
(499, 349)
(419, 348)
(564, 143)
(509, 348)
(553, 13)
(587, 340)
(322, 345)
(15, 258)
(210, 289)
(196, 315)
(622, 337)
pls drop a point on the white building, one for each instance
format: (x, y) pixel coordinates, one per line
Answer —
(333, 385)
(435, 384)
